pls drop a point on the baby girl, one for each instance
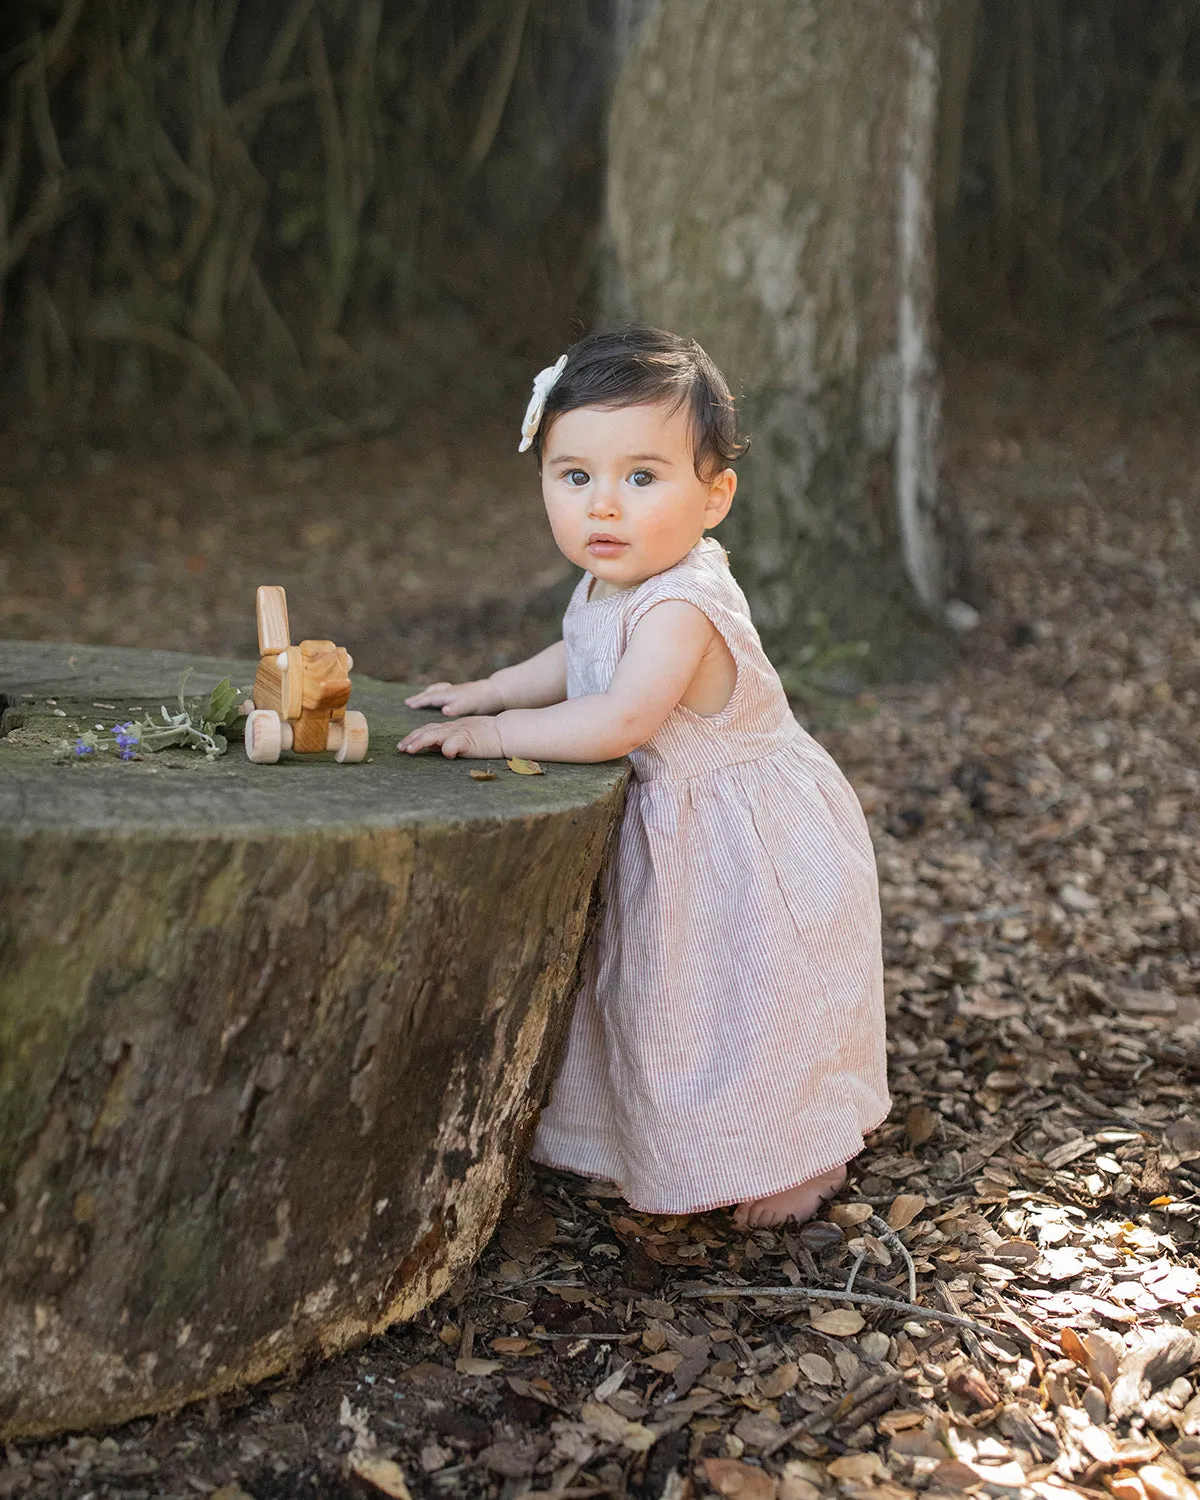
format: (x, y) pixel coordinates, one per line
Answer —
(727, 1044)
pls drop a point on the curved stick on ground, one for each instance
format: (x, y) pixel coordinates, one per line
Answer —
(886, 1233)
(869, 1299)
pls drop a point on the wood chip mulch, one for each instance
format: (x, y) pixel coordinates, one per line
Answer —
(1005, 1300)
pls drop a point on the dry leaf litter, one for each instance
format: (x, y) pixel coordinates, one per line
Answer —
(1005, 1300)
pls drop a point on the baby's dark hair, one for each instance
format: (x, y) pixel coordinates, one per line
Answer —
(639, 365)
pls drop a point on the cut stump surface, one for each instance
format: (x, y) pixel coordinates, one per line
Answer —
(271, 1037)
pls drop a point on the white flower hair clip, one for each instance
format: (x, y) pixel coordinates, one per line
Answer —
(543, 383)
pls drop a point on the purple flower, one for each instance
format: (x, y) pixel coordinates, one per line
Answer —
(83, 749)
(127, 738)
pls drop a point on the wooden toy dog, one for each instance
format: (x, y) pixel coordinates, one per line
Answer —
(300, 692)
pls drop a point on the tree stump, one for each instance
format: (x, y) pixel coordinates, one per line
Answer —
(271, 1037)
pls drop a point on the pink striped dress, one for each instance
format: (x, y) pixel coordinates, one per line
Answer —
(728, 1039)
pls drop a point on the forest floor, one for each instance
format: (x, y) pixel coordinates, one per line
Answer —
(1037, 820)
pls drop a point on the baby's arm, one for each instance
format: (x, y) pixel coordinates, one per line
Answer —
(530, 684)
(660, 661)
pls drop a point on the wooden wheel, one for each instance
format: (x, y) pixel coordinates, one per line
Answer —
(355, 738)
(264, 736)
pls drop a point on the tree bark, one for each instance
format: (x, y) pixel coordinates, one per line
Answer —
(770, 192)
(271, 1037)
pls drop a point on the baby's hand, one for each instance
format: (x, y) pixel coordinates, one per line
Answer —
(477, 737)
(455, 698)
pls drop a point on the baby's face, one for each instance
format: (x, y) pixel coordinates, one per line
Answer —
(622, 493)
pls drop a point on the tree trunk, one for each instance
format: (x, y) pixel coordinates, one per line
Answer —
(271, 1037)
(770, 192)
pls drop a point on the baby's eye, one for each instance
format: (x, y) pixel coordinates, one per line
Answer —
(576, 478)
(640, 478)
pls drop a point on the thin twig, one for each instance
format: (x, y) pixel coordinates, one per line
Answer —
(974, 1347)
(864, 1401)
(866, 1299)
(1018, 1325)
(577, 1492)
(889, 1235)
(606, 1338)
(985, 914)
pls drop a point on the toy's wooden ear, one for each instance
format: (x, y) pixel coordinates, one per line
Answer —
(271, 603)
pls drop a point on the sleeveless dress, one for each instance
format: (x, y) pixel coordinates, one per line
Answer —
(727, 1041)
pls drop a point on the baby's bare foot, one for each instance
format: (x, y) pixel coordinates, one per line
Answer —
(795, 1205)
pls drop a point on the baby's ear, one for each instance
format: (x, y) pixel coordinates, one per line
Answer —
(721, 490)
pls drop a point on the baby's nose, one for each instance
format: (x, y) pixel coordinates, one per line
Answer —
(603, 501)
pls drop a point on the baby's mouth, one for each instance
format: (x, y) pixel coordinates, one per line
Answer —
(601, 544)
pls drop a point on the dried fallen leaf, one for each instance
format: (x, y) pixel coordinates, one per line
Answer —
(1061, 1263)
(527, 1230)
(381, 1473)
(919, 1125)
(795, 1484)
(968, 1383)
(904, 1209)
(920, 1444)
(759, 1430)
(473, 1366)
(525, 767)
(1068, 1152)
(1153, 1364)
(482, 775)
(611, 1384)
(573, 1442)
(1014, 1251)
(841, 1322)
(1097, 1443)
(1181, 1142)
(515, 1460)
(893, 1422)
(1126, 1486)
(509, 1344)
(860, 1466)
(849, 1215)
(782, 1379)
(537, 1389)
(614, 1428)
(819, 1235)
(1161, 1483)
(738, 1481)
(817, 1368)
(952, 1475)
(1104, 1352)
(1009, 1475)
(1072, 1346)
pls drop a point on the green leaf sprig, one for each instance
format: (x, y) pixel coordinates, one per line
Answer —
(198, 727)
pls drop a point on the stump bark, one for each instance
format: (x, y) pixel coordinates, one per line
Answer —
(271, 1037)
